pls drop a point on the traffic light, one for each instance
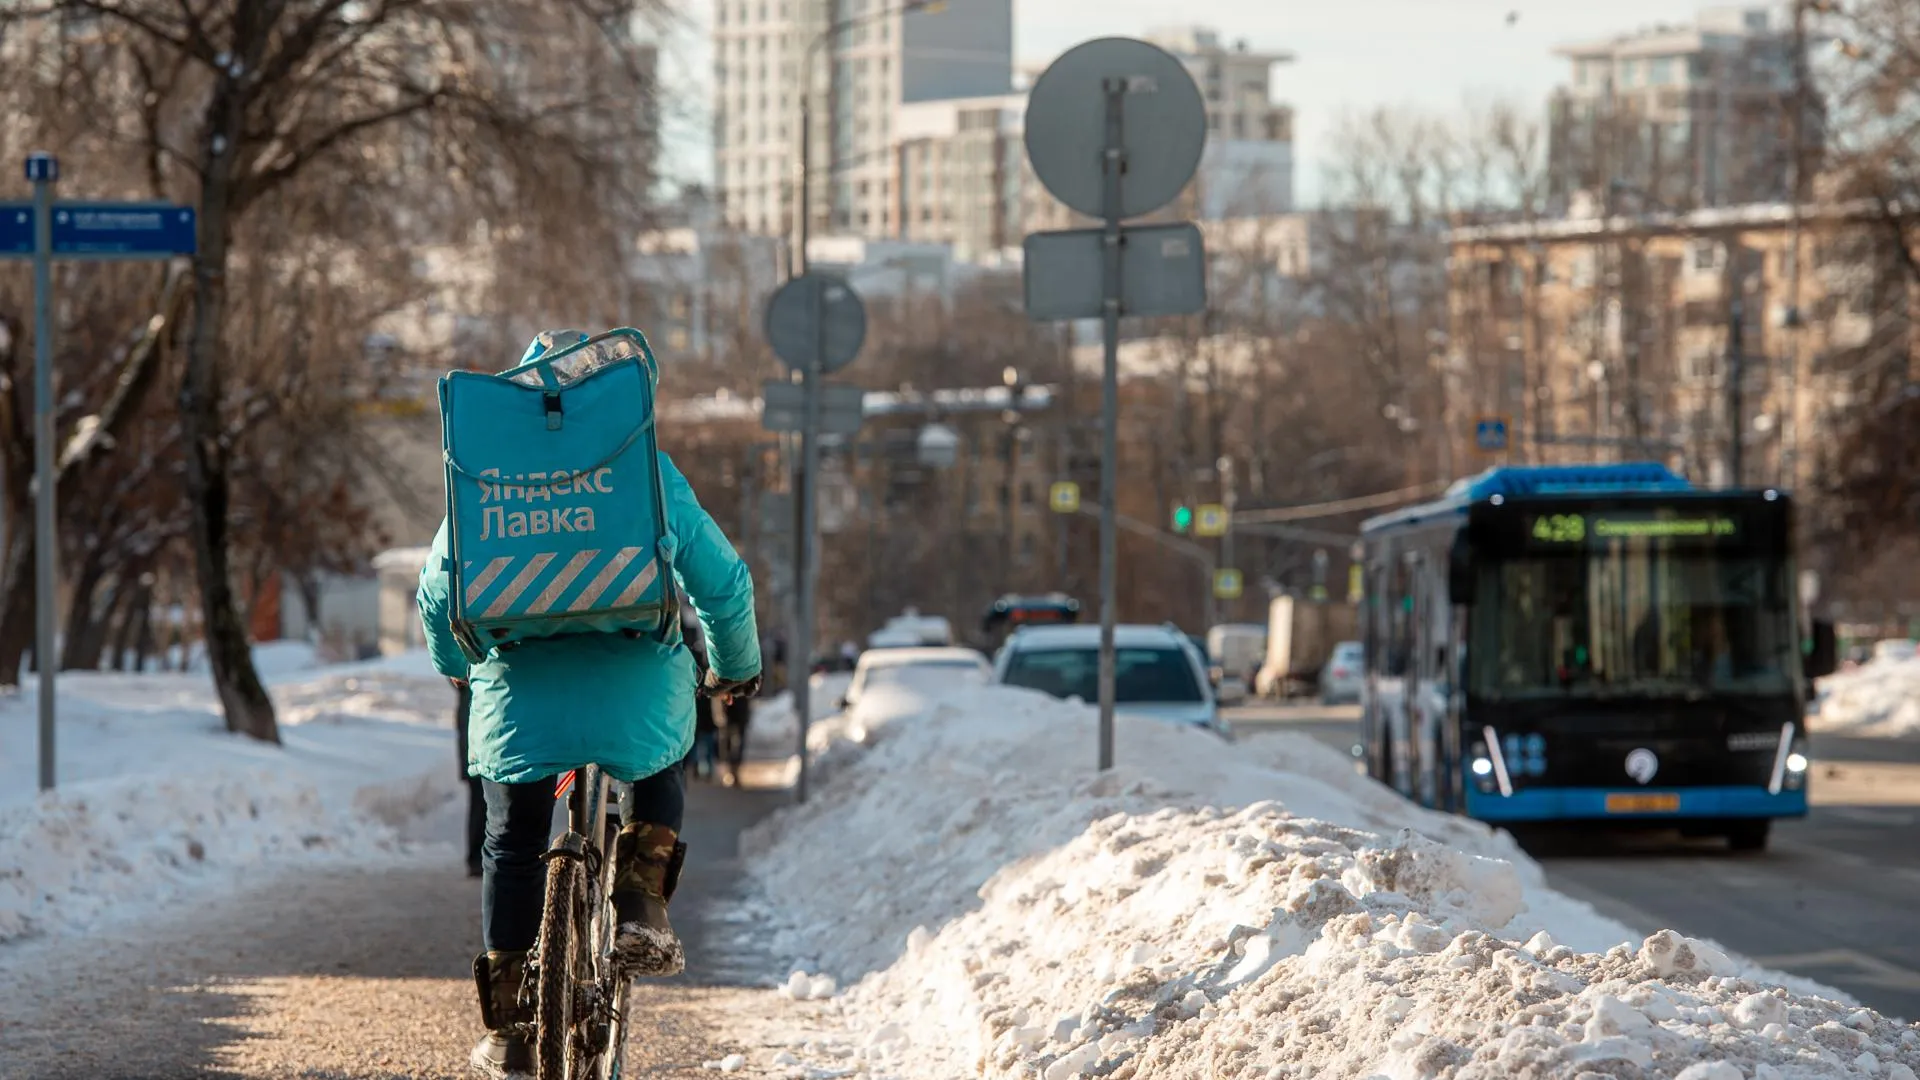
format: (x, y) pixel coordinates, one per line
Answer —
(1182, 518)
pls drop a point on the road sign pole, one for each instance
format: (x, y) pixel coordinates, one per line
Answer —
(43, 172)
(1113, 161)
(805, 543)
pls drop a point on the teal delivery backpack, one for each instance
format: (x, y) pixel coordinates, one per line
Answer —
(556, 509)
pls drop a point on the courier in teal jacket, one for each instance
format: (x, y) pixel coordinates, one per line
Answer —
(625, 704)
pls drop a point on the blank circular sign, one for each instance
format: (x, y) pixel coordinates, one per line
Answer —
(816, 312)
(1163, 125)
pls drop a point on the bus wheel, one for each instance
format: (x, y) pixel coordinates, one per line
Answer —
(1748, 835)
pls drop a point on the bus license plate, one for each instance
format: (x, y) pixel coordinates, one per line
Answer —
(1637, 803)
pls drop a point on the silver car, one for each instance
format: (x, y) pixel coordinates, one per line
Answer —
(1159, 673)
(1345, 671)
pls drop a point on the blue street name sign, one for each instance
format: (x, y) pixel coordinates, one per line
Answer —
(16, 228)
(122, 229)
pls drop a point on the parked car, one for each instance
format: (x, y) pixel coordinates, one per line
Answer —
(1345, 672)
(1159, 673)
(918, 666)
(1891, 649)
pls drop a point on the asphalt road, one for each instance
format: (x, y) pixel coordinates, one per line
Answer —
(1833, 898)
(354, 973)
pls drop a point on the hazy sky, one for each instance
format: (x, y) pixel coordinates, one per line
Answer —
(1349, 54)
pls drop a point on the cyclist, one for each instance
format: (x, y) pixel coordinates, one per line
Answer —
(623, 703)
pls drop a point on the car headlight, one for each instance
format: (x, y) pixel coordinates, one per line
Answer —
(1482, 767)
(1796, 762)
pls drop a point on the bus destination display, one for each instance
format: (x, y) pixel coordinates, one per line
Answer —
(1600, 527)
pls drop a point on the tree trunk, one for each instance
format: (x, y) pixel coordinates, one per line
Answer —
(17, 604)
(133, 612)
(79, 649)
(248, 709)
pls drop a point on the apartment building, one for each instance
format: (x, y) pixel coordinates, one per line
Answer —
(1681, 116)
(1669, 338)
(859, 61)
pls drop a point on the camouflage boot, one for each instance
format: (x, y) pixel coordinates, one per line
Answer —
(646, 867)
(507, 1051)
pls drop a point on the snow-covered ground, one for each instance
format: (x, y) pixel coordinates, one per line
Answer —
(157, 802)
(991, 907)
(1880, 698)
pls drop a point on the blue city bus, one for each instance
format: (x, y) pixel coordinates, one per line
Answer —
(1591, 643)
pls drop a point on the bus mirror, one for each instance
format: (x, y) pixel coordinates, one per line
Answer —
(1460, 573)
(1821, 657)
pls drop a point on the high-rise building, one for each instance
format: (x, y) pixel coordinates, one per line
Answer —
(861, 60)
(1247, 169)
(1680, 116)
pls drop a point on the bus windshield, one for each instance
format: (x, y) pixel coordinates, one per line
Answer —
(1632, 620)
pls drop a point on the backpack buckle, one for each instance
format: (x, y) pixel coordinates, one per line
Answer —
(551, 400)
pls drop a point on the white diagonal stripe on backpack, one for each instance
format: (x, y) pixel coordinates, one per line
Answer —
(534, 568)
(550, 595)
(604, 580)
(485, 580)
(631, 595)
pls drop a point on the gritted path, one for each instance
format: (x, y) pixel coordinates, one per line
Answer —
(351, 974)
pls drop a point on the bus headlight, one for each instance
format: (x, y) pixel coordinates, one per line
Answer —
(1482, 768)
(1794, 776)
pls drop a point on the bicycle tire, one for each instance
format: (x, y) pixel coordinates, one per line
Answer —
(553, 994)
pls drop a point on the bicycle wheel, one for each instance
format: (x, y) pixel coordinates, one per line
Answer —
(557, 956)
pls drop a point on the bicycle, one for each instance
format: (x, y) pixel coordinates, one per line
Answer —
(579, 994)
(579, 997)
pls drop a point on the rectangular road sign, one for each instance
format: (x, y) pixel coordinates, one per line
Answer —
(1226, 584)
(16, 228)
(1490, 434)
(1211, 520)
(1163, 272)
(783, 407)
(1064, 497)
(123, 230)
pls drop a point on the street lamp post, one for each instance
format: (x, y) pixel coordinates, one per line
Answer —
(832, 32)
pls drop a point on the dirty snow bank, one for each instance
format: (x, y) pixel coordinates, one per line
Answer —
(1001, 911)
(1878, 699)
(156, 801)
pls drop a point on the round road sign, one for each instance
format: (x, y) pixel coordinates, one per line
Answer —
(1163, 125)
(816, 315)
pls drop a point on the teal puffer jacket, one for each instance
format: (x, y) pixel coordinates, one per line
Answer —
(625, 704)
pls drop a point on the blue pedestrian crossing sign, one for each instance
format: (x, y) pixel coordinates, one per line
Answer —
(1490, 434)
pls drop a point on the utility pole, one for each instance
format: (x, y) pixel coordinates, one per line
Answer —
(1797, 162)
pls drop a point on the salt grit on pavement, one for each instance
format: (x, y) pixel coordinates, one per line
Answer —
(1880, 698)
(156, 803)
(963, 897)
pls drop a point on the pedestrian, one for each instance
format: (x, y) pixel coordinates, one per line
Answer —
(476, 788)
(735, 716)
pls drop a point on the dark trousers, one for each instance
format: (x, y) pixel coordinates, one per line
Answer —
(519, 827)
(733, 733)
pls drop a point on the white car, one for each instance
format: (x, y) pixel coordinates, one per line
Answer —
(1345, 672)
(913, 666)
(1158, 673)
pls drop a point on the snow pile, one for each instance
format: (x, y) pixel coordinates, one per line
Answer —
(773, 730)
(156, 800)
(1880, 699)
(999, 910)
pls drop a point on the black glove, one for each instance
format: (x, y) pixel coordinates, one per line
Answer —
(731, 689)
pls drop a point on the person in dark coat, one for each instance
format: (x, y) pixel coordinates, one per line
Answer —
(476, 791)
(735, 715)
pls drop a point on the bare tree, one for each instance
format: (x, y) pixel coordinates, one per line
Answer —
(421, 117)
